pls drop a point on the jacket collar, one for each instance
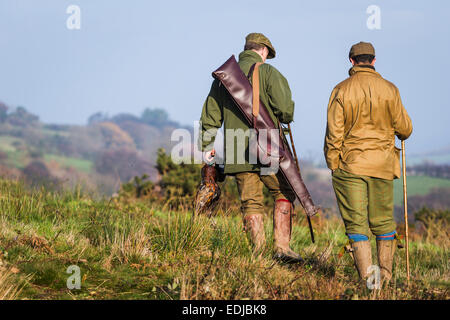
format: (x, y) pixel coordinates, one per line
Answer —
(362, 68)
(250, 55)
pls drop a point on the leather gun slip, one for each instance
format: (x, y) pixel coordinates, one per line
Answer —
(240, 89)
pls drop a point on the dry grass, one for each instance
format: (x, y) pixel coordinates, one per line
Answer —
(9, 288)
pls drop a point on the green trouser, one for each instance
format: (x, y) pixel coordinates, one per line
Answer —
(364, 202)
(250, 188)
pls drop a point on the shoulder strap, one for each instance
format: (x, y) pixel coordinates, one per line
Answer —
(254, 73)
(255, 85)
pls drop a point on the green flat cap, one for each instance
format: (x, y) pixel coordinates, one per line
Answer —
(361, 48)
(259, 38)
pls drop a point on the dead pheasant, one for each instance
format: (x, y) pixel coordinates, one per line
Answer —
(208, 192)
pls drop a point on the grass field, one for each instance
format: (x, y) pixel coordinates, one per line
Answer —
(417, 185)
(134, 250)
(16, 158)
(79, 164)
(437, 159)
(6, 143)
(19, 158)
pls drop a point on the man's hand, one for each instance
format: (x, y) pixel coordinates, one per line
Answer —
(208, 156)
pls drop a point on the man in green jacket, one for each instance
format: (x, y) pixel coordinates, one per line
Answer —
(220, 109)
(365, 113)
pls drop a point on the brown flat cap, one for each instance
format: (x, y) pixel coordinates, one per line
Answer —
(361, 48)
(259, 38)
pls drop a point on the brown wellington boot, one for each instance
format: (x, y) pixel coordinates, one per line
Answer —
(282, 228)
(386, 250)
(362, 253)
(253, 223)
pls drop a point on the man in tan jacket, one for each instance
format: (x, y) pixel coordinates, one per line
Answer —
(365, 113)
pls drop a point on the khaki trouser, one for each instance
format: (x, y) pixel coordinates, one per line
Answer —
(250, 187)
(365, 203)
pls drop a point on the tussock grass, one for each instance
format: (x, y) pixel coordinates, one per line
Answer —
(9, 289)
(136, 250)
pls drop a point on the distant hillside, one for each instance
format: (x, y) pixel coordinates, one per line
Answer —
(100, 155)
(440, 157)
(111, 150)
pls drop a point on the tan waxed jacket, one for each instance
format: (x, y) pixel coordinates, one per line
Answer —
(365, 113)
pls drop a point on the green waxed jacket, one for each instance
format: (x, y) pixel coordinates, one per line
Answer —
(220, 109)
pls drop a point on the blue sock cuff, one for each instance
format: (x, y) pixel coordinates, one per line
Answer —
(357, 237)
(387, 236)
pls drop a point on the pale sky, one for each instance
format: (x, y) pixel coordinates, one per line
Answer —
(129, 55)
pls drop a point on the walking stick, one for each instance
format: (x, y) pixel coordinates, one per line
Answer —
(311, 231)
(405, 201)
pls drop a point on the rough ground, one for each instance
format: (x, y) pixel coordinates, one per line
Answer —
(134, 250)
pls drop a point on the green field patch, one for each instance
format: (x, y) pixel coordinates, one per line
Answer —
(16, 157)
(417, 185)
(436, 159)
(79, 164)
(50, 132)
(7, 143)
